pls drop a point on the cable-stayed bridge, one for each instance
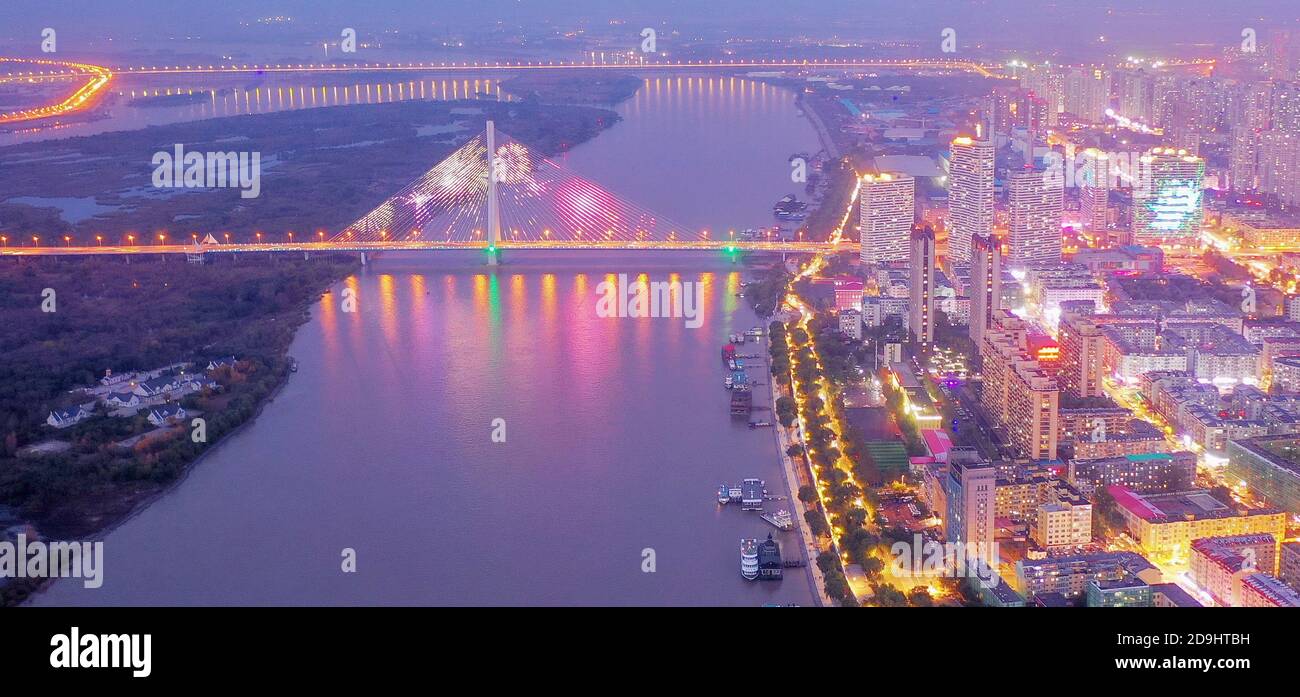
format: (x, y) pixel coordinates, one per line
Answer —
(511, 200)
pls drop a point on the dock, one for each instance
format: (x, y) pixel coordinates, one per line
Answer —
(750, 494)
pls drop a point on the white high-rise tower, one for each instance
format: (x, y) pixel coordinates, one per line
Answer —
(1035, 201)
(888, 208)
(970, 195)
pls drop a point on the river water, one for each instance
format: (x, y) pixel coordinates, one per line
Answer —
(616, 430)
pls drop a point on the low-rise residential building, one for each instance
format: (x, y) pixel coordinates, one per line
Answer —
(223, 362)
(851, 324)
(1129, 591)
(166, 413)
(1286, 374)
(1289, 564)
(1262, 590)
(110, 380)
(69, 416)
(1069, 575)
(1218, 564)
(1137, 438)
(1064, 523)
(1215, 354)
(1146, 473)
(122, 400)
(161, 386)
(1166, 524)
(1172, 595)
(1082, 422)
(1130, 349)
(1270, 468)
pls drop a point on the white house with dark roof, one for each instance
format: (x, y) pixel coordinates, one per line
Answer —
(63, 418)
(122, 400)
(159, 386)
(224, 362)
(165, 413)
(110, 379)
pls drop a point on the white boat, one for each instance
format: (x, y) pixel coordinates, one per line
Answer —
(727, 381)
(723, 497)
(781, 519)
(749, 559)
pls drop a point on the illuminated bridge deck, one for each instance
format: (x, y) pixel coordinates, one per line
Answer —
(423, 246)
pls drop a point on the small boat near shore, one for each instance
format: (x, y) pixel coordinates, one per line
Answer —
(781, 519)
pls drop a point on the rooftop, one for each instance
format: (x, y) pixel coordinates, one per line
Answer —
(1282, 451)
(1194, 504)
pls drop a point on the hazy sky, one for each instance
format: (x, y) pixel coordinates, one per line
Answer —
(1036, 22)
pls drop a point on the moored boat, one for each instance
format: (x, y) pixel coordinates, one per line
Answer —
(749, 559)
(781, 519)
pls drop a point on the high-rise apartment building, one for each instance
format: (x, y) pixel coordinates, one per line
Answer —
(985, 285)
(1167, 203)
(1019, 395)
(1251, 115)
(921, 294)
(1094, 194)
(1279, 165)
(1087, 93)
(1035, 202)
(888, 208)
(1135, 89)
(972, 500)
(1048, 84)
(970, 195)
(1081, 350)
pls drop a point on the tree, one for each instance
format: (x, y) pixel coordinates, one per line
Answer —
(827, 561)
(1107, 509)
(785, 411)
(872, 567)
(920, 597)
(808, 494)
(837, 586)
(816, 523)
(888, 596)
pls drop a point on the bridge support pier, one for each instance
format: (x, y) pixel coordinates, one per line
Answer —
(363, 258)
(493, 203)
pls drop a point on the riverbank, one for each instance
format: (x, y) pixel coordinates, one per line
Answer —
(799, 510)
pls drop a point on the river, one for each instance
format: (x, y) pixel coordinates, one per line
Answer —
(616, 430)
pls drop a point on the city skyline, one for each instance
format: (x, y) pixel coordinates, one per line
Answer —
(943, 305)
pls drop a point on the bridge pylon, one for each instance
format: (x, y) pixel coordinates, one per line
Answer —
(493, 202)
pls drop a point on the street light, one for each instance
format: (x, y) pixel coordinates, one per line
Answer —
(99, 240)
(36, 240)
(130, 239)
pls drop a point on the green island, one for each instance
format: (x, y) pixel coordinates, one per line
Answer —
(595, 87)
